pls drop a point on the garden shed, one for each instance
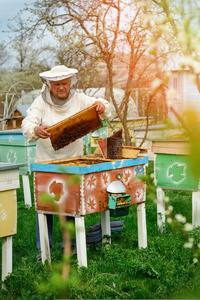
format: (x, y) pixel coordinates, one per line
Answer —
(186, 96)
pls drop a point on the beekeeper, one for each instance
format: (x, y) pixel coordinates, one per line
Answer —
(58, 101)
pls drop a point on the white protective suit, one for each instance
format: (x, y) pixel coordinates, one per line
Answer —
(46, 113)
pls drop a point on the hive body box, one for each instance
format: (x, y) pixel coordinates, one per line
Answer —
(9, 182)
(15, 149)
(80, 189)
(172, 171)
(172, 165)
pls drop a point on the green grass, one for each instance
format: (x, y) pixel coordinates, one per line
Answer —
(164, 270)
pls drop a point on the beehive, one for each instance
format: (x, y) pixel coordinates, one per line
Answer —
(78, 186)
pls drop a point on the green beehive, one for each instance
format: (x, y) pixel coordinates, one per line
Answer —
(174, 172)
(15, 149)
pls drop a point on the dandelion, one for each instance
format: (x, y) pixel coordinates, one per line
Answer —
(180, 218)
(195, 260)
(188, 227)
(166, 199)
(152, 175)
(167, 212)
(188, 245)
(169, 220)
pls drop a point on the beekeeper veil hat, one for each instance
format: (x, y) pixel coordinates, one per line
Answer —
(55, 74)
(59, 73)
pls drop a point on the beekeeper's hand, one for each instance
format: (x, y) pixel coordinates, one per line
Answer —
(41, 132)
(100, 107)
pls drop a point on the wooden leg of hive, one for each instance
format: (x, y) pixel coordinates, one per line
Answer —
(6, 257)
(81, 241)
(196, 208)
(142, 227)
(44, 237)
(160, 208)
(26, 188)
(105, 227)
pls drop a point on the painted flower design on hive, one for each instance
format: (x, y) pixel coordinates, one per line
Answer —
(126, 176)
(3, 215)
(105, 178)
(136, 171)
(91, 204)
(57, 189)
(139, 195)
(139, 171)
(91, 181)
(11, 156)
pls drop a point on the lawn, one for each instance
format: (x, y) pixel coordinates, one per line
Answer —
(164, 270)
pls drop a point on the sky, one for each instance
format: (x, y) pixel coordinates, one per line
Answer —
(8, 10)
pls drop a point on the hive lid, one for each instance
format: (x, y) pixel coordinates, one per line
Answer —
(69, 130)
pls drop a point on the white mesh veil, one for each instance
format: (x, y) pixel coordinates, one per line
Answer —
(55, 74)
